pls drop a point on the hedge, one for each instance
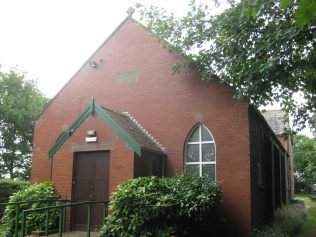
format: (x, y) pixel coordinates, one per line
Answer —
(152, 206)
(34, 220)
(7, 188)
(287, 221)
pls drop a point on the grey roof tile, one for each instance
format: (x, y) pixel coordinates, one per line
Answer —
(135, 130)
(275, 119)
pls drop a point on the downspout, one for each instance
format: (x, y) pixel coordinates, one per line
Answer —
(51, 169)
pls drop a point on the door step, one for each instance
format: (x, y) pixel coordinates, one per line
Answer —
(37, 233)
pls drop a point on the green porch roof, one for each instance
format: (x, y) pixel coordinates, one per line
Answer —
(122, 124)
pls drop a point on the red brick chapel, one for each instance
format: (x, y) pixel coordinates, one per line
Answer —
(124, 115)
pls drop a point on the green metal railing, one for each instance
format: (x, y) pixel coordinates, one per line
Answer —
(62, 215)
(18, 209)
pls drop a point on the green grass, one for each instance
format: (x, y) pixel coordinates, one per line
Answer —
(309, 227)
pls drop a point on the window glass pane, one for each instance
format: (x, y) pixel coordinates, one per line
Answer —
(192, 169)
(206, 136)
(208, 170)
(195, 135)
(208, 152)
(192, 153)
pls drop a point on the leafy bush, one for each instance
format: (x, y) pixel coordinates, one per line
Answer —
(34, 220)
(270, 231)
(152, 206)
(290, 219)
(287, 221)
(7, 188)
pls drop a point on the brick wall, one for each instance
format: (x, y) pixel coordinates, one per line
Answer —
(166, 105)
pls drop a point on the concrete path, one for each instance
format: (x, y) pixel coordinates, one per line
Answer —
(75, 234)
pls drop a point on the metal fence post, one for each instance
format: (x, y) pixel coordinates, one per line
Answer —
(89, 219)
(17, 214)
(104, 213)
(60, 226)
(64, 218)
(46, 222)
(23, 223)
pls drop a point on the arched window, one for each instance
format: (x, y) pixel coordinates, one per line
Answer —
(200, 152)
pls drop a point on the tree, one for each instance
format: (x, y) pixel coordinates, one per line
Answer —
(304, 156)
(20, 103)
(264, 54)
(305, 11)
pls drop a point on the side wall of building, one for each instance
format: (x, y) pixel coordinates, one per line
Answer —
(269, 170)
(287, 143)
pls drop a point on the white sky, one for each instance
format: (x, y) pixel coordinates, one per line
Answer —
(51, 39)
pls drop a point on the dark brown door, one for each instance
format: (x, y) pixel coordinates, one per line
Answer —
(90, 182)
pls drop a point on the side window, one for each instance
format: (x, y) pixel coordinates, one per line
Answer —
(200, 152)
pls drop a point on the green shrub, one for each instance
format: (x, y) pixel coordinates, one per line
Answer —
(290, 219)
(34, 220)
(270, 231)
(7, 188)
(287, 221)
(152, 206)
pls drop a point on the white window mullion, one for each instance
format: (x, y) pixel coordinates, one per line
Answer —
(205, 142)
(198, 141)
(204, 163)
(200, 149)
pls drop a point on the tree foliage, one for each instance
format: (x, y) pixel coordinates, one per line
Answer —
(304, 156)
(20, 103)
(264, 54)
(305, 10)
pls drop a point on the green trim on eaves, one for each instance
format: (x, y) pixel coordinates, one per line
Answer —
(66, 134)
(94, 108)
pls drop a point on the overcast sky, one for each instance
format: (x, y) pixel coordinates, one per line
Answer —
(51, 39)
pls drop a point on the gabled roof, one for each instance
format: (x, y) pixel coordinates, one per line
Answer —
(275, 119)
(126, 127)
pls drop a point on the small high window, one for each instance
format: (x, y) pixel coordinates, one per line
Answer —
(200, 152)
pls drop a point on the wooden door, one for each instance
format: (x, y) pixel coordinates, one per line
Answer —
(90, 182)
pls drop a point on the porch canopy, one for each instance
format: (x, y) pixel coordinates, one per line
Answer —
(123, 124)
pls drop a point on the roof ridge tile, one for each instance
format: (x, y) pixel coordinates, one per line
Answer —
(146, 132)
